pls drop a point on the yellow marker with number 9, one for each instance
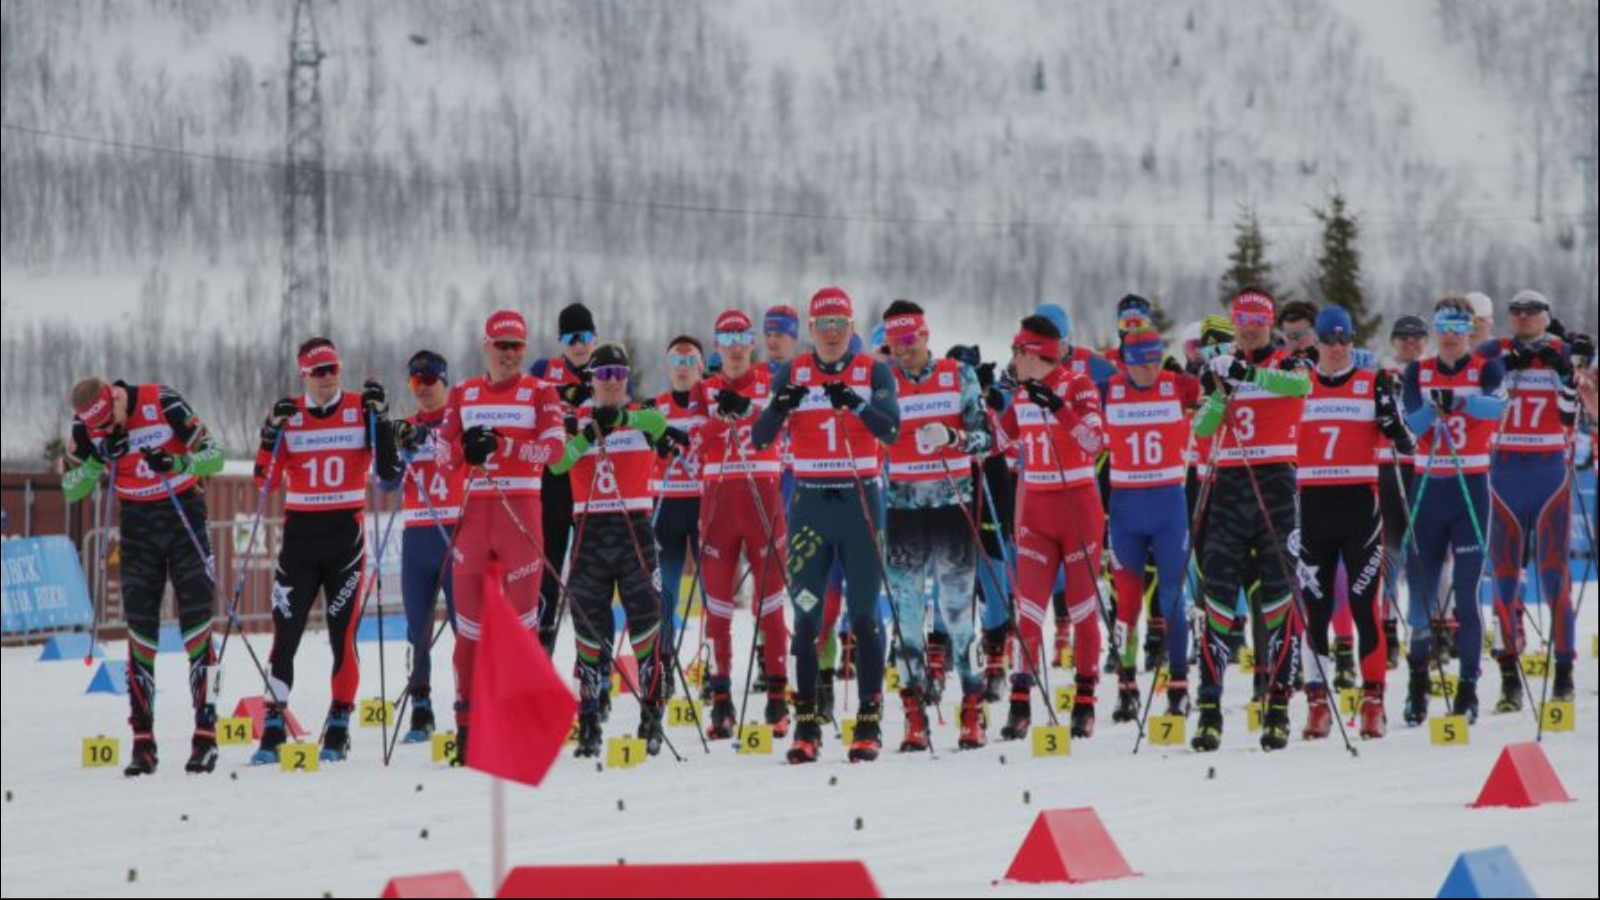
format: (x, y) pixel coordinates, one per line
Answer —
(1450, 731)
(1169, 731)
(1558, 716)
(1052, 741)
(444, 747)
(231, 732)
(101, 752)
(298, 757)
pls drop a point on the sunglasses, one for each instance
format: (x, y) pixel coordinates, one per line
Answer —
(1526, 312)
(328, 371)
(1336, 340)
(1296, 334)
(508, 346)
(735, 338)
(1252, 320)
(1452, 326)
(683, 360)
(831, 323)
(425, 379)
(610, 373)
(577, 337)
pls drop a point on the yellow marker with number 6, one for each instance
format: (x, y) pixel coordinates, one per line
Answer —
(234, 731)
(1450, 731)
(444, 747)
(298, 757)
(101, 752)
(755, 740)
(1052, 741)
(1169, 731)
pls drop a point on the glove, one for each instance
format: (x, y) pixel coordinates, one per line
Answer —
(732, 405)
(478, 444)
(374, 397)
(163, 463)
(283, 410)
(1406, 444)
(1043, 396)
(576, 394)
(409, 437)
(1446, 400)
(673, 438)
(935, 436)
(648, 403)
(1230, 370)
(116, 445)
(610, 418)
(1582, 349)
(986, 376)
(842, 397)
(789, 399)
(1517, 358)
(569, 424)
(1554, 360)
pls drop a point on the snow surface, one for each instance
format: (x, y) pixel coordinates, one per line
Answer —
(1307, 822)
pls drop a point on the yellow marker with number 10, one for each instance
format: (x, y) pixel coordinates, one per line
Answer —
(101, 752)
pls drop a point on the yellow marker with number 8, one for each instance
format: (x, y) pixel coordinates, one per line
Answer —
(1051, 741)
(234, 731)
(376, 713)
(755, 740)
(298, 757)
(1450, 731)
(1169, 731)
(624, 753)
(101, 752)
(1558, 716)
(444, 747)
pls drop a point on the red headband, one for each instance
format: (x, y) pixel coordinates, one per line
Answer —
(906, 329)
(317, 357)
(1047, 347)
(98, 412)
(831, 301)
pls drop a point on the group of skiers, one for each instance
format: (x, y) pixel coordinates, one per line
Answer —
(887, 509)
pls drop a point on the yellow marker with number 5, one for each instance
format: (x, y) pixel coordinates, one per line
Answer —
(1169, 731)
(444, 747)
(101, 752)
(1450, 731)
(231, 732)
(1558, 716)
(1052, 741)
(298, 757)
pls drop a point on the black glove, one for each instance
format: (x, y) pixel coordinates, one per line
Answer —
(1405, 444)
(995, 399)
(1517, 358)
(409, 437)
(1043, 396)
(160, 461)
(374, 397)
(1555, 360)
(569, 424)
(116, 445)
(610, 418)
(648, 403)
(671, 439)
(986, 376)
(842, 396)
(1172, 365)
(576, 395)
(591, 434)
(789, 399)
(1446, 400)
(1582, 346)
(478, 444)
(732, 404)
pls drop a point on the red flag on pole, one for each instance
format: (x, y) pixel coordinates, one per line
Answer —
(521, 709)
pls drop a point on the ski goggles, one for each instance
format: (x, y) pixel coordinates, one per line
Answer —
(831, 323)
(683, 360)
(508, 346)
(1247, 318)
(610, 373)
(1527, 308)
(572, 338)
(329, 370)
(735, 338)
(1451, 322)
(423, 380)
(1336, 339)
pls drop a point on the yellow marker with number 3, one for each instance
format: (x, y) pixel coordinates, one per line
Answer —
(755, 740)
(298, 757)
(1558, 717)
(444, 747)
(101, 752)
(624, 753)
(1051, 741)
(1169, 731)
(1450, 731)
(234, 731)
(376, 713)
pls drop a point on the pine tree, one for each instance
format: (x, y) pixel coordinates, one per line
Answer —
(1338, 278)
(1247, 264)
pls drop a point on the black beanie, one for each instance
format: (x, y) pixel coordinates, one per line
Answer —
(574, 318)
(609, 355)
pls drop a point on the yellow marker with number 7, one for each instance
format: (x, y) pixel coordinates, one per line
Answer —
(1169, 731)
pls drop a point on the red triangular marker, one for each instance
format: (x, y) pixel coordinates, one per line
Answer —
(521, 709)
(1068, 847)
(1522, 778)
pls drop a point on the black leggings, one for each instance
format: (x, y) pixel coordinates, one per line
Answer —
(1343, 526)
(323, 552)
(156, 549)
